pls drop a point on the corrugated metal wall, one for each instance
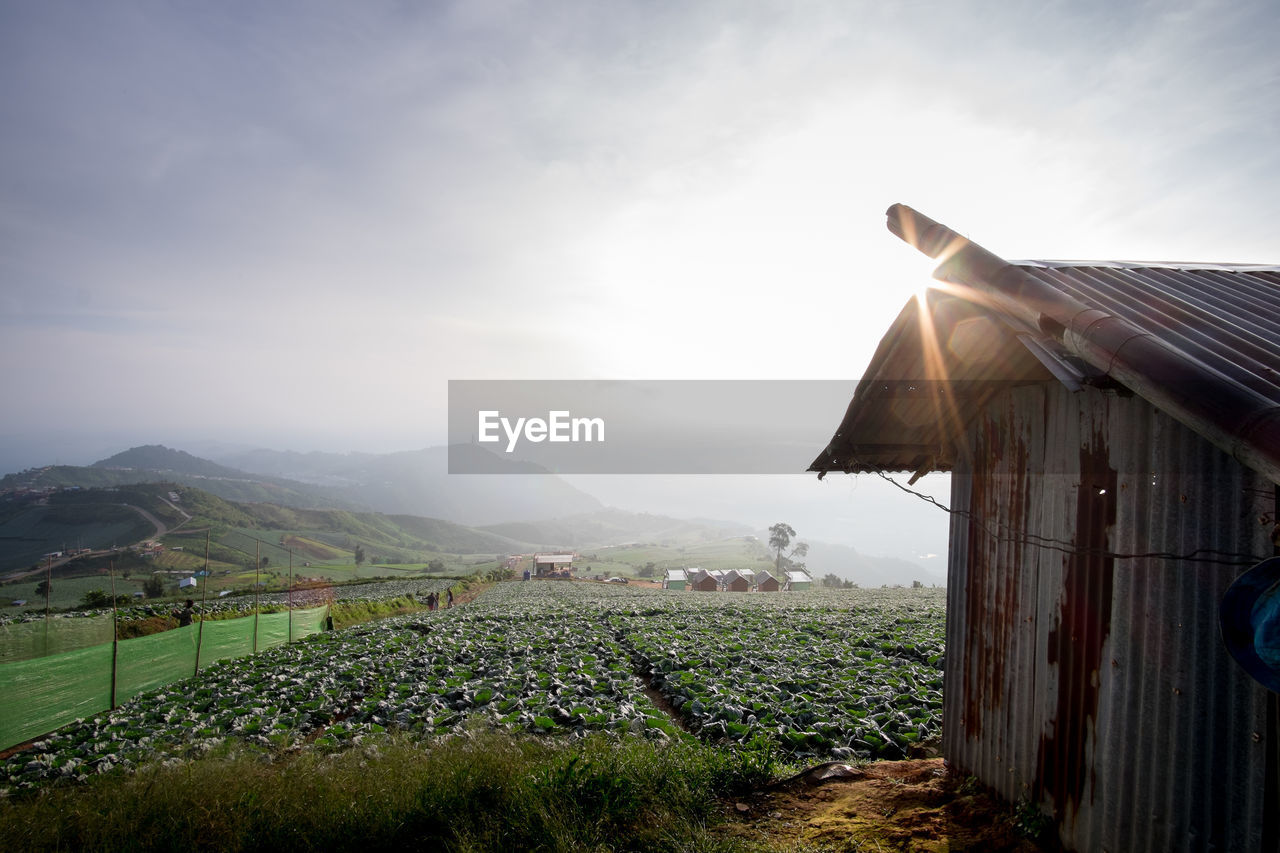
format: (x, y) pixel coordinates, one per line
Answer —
(1085, 678)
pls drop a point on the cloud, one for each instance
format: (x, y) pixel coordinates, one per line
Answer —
(346, 202)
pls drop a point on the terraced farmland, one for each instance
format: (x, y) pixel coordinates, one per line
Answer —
(820, 674)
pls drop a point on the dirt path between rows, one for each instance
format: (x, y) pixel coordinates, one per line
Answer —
(912, 805)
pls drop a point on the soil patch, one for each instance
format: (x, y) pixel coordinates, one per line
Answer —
(889, 805)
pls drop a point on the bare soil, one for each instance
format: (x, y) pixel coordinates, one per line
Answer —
(915, 805)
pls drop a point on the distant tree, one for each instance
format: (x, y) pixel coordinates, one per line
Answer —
(436, 565)
(359, 556)
(153, 587)
(265, 561)
(647, 571)
(780, 536)
(42, 588)
(917, 585)
(831, 581)
(96, 599)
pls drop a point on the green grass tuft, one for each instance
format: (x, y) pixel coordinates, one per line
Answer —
(480, 791)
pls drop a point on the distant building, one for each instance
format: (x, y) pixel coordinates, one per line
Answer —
(187, 583)
(736, 581)
(766, 582)
(552, 565)
(797, 581)
(674, 579)
(702, 581)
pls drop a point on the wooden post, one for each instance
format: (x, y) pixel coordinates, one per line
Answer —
(204, 600)
(291, 595)
(257, 564)
(48, 590)
(115, 627)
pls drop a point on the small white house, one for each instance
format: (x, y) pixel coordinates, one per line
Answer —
(550, 565)
(187, 583)
(799, 580)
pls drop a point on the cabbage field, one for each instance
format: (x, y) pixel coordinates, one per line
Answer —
(821, 674)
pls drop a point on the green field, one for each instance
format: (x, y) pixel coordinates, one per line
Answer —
(627, 560)
(822, 674)
(34, 531)
(65, 592)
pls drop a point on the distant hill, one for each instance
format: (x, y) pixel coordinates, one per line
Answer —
(418, 482)
(157, 457)
(865, 570)
(104, 517)
(614, 526)
(240, 487)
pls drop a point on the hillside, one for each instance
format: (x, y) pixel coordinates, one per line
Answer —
(157, 457)
(418, 482)
(614, 527)
(866, 570)
(242, 487)
(100, 519)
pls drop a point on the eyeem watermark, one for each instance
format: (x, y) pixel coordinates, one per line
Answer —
(558, 427)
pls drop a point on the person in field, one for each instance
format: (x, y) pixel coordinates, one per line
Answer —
(186, 614)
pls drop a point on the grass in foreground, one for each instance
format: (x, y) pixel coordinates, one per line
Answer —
(481, 791)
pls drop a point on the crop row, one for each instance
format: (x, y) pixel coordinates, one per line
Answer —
(821, 674)
(245, 602)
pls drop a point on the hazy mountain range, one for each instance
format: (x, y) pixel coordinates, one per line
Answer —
(515, 507)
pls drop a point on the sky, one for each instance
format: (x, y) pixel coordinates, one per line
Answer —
(290, 224)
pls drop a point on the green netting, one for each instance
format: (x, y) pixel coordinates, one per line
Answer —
(43, 694)
(26, 640)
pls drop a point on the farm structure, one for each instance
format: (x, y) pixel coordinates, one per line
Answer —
(736, 581)
(552, 565)
(797, 580)
(1113, 436)
(187, 583)
(766, 582)
(703, 581)
(674, 579)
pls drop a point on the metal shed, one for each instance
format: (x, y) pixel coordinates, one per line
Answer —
(1113, 433)
(674, 579)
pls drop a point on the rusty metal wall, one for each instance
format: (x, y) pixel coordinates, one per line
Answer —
(1091, 542)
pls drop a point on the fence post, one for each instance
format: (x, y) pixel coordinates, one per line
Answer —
(115, 631)
(257, 564)
(204, 601)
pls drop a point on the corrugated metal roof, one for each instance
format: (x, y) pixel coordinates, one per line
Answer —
(676, 575)
(554, 558)
(1197, 340)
